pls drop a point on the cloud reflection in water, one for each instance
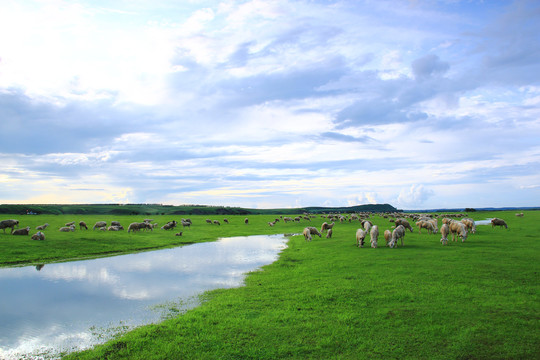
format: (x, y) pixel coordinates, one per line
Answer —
(55, 308)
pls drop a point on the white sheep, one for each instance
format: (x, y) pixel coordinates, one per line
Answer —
(374, 235)
(329, 233)
(458, 228)
(403, 222)
(67, 228)
(42, 227)
(387, 236)
(445, 230)
(99, 225)
(360, 236)
(398, 233)
(424, 224)
(469, 224)
(307, 234)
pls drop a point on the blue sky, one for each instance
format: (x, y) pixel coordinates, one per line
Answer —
(271, 104)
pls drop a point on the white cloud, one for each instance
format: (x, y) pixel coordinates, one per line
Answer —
(268, 102)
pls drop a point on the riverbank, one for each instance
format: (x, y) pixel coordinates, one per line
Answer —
(328, 299)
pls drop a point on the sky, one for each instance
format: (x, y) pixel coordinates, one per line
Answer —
(270, 103)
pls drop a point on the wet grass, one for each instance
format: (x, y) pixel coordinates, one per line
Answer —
(328, 299)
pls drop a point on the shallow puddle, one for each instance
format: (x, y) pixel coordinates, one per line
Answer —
(45, 310)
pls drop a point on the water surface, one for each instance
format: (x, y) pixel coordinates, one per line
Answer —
(71, 306)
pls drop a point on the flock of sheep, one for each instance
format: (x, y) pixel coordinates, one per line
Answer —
(456, 228)
(449, 226)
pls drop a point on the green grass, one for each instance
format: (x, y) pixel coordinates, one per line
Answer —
(328, 299)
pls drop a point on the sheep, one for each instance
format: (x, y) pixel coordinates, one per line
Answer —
(42, 227)
(208, 221)
(99, 224)
(24, 231)
(82, 225)
(115, 228)
(445, 230)
(387, 236)
(246, 221)
(367, 225)
(226, 221)
(470, 224)
(435, 225)
(329, 234)
(70, 223)
(398, 233)
(136, 226)
(360, 236)
(423, 224)
(519, 214)
(498, 222)
(271, 223)
(307, 234)
(67, 228)
(374, 235)
(325, 226)
(178, 234)
(403, 222)
(216, 222)
(38, 236)
(287, 219)
(116, 223)
(458, 228)
(11, 223)
(185, 223)
(314, 231)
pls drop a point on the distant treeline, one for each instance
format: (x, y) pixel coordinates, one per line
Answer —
(159, 209)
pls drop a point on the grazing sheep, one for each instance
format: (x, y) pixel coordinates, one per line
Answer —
(116, 223)
(25, 231)
(458, 228)
(325, 226)
(11, 223)
(208, 221)
(82, 225)
(178, 234)
(38, 236)
(387, 236)
(445, 230)
(329, 234)
(374, 235)
(435, 225)
(314, 231)
(100, 224)
(66, 229)
(226, 221)
(367, 225)
(70, 223)
(246, 221)
(403, 222)
(360, 236)
(519, 214)
(216, 222)
(136, 226)
(42, 227)
(398, 233)
(469, 224)
(498, 222)
(287, 219)
(423, 224)
(271, 223)
(307, 234)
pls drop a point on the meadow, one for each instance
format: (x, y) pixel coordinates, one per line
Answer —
(328, 299)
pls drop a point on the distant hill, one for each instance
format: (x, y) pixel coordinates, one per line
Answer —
(159, 209)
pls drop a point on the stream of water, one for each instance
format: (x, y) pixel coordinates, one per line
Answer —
(45, 310)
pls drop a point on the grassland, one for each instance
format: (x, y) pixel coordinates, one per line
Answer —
(328, 299)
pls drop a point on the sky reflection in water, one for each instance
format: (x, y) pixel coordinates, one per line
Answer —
(59, 307)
